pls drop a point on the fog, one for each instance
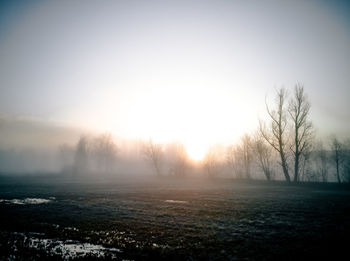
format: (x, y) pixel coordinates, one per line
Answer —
(139, 69)
(29, 147)
(174, 129)
(168, 88)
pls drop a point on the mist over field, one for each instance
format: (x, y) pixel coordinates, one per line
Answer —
(174, 130)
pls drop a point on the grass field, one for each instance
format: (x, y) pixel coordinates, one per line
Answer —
(49, 218)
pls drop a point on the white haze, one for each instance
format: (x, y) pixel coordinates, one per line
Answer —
(189, 72)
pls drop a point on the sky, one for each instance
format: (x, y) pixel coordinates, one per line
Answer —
(193, 71)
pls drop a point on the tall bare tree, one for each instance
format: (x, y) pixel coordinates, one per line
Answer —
(275, 132)
(263, 153)
(299, 110)
(153, 152)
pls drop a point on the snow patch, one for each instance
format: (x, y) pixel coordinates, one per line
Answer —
(26, 201)
(69, 249)
(176, 201)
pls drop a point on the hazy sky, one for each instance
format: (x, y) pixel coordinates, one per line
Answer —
(197, 71)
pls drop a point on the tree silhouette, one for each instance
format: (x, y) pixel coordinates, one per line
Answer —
(263, 153)
(181, 160)
(81, 156)
(337, 151)
(246, 154)
(153, 152)
(299, 110)
(232, 160)
(346, 161)
(105, 151)
(275, 132)
(211, 161)
(321, 161)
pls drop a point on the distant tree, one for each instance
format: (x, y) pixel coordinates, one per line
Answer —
(246, 153)
(299, 110)
(321, 159)
(211, 161)
(153, 152)
(275, 133)
(306, 173)
(105, 152)
(66, 157)
(346, 161)
(337, 156)
(232, 160)
(181, 160)
(264, 155)
(81, 156)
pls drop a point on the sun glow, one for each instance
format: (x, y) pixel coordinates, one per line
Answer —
(196, 151)
(188, 106)
(196, 117)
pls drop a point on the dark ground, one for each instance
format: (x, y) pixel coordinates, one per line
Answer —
(177, 220)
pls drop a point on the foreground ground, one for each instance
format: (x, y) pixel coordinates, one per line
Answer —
(47, 218)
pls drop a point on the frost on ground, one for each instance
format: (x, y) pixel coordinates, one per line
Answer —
(66, 249)
(27, 201)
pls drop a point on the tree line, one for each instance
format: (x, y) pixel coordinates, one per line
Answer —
(284, 144)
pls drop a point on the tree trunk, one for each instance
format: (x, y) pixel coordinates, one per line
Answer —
(285, 167)
(296, 168)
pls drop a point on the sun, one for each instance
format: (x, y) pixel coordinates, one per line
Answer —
(196, 151)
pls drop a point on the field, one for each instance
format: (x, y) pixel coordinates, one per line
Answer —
(46, 218)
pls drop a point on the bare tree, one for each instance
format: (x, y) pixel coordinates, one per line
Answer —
(211, 161)
(232, 160)
(153, 152)
(245, 149)
(306, 172)
(299, 110)
(105, 151)
(181, 160)
(321, 160)
(81, 156)
(66, 156)
(337, 151)
(275, 133)
(346, 161)
(264, 154)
